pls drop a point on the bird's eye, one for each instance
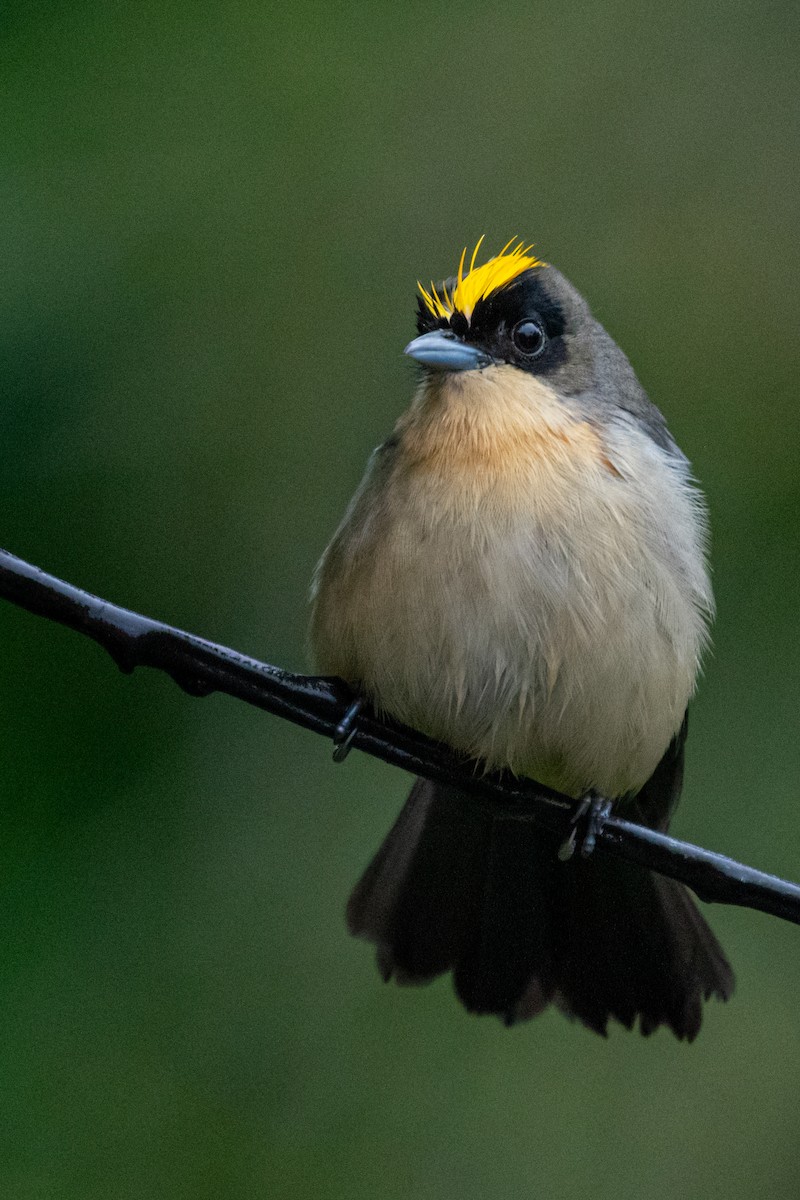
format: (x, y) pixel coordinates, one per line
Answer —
(528, 337)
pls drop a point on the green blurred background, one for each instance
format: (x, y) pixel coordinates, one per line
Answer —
(213, 220)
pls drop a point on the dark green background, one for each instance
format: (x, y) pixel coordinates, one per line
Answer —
(213, 220)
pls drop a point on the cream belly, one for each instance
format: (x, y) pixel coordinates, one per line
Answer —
(519, 589)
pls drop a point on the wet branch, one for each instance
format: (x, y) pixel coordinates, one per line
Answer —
(319, 704)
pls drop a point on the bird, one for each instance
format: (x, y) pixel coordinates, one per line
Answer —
(522, 575)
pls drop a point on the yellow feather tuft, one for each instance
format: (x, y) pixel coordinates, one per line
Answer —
(480, 282)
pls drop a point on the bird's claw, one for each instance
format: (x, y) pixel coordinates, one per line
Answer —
(592, 812)
(346, 730)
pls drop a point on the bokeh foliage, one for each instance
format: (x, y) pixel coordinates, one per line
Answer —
(213, 220)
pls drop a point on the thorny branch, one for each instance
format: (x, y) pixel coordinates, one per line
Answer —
(319, 704)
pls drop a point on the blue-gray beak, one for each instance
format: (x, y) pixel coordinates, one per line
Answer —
(444, 352)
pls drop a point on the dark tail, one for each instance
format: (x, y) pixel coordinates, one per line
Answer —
(455, 889)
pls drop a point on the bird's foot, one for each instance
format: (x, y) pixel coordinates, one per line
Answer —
(346, 730)
(591, 814)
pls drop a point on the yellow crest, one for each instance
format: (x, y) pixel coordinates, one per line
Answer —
(480, 282)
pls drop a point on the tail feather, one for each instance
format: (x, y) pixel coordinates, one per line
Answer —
(509, 942)
(417, 900)
(633, 944)
(454, 889)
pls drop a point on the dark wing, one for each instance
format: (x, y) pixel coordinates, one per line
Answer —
(658, 799)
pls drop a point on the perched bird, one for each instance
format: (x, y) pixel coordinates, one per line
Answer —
(521, 575)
